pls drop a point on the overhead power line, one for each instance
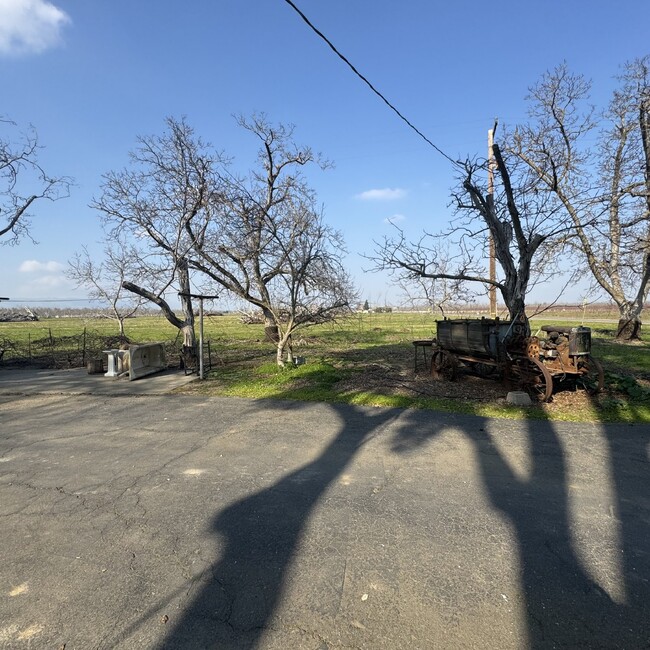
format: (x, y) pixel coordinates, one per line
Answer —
(365, 80)
(32, 300)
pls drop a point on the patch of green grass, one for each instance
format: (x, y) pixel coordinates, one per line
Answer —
(313, 381)
(631, 358)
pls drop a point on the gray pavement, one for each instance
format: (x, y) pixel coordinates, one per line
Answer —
(188, 522)
(77, 381)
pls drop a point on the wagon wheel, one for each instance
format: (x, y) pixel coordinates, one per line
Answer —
(592, 377)
(533, 376)
(443, 365)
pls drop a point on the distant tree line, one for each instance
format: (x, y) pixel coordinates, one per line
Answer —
(36, 313)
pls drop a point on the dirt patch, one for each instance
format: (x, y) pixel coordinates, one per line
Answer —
(397, 380)
(393, 380)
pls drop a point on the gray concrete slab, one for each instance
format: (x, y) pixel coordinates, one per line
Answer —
(77, 381)
(189, 522)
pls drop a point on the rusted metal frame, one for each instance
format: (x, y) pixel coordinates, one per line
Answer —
(487, 362)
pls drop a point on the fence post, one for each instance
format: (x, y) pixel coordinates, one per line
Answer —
(83, 352)
(52, 348)
(29, 347)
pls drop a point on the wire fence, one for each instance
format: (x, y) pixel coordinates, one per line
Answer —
(69, 350)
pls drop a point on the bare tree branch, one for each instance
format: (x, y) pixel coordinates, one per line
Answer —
(260, 237)
(23, 182)
(604, 191)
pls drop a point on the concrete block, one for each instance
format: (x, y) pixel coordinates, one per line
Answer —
(518, 398)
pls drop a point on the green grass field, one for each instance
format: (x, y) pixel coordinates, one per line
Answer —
(367, 359)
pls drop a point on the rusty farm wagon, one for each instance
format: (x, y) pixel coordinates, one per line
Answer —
(537, 364)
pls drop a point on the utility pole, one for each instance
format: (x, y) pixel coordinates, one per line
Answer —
(492, 290)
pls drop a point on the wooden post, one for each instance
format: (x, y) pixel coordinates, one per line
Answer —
(52, 349)
(492, 290)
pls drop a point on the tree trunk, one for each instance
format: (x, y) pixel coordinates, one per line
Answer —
(629, 319)
(284, 344)
(274, 334)
(186, 324)
(515, 303)
(629, 328)
(271, 334)
(271, 330)
(279, 355)
(187, 327)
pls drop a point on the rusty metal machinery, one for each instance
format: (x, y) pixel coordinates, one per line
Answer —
(537, 364)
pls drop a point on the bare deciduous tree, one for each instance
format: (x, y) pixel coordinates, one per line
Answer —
(23, 182)
(149, 206)
(603, 191)
(523, 226)
(260, 237)
(104, 279)
(267, 243)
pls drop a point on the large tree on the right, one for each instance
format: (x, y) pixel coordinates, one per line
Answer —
(598, 167)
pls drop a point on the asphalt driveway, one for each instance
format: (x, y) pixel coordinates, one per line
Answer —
(77, 381)
(185, 522)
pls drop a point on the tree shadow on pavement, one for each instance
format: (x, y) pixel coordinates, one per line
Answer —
(565, 606)
(260, 534)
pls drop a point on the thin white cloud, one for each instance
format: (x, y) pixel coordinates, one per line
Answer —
(385, 194)
(34, 266)
(42, 280)
(396, 218)
(49, 282)
(30, 26)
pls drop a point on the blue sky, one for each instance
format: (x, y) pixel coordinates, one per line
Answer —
(91, 76)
